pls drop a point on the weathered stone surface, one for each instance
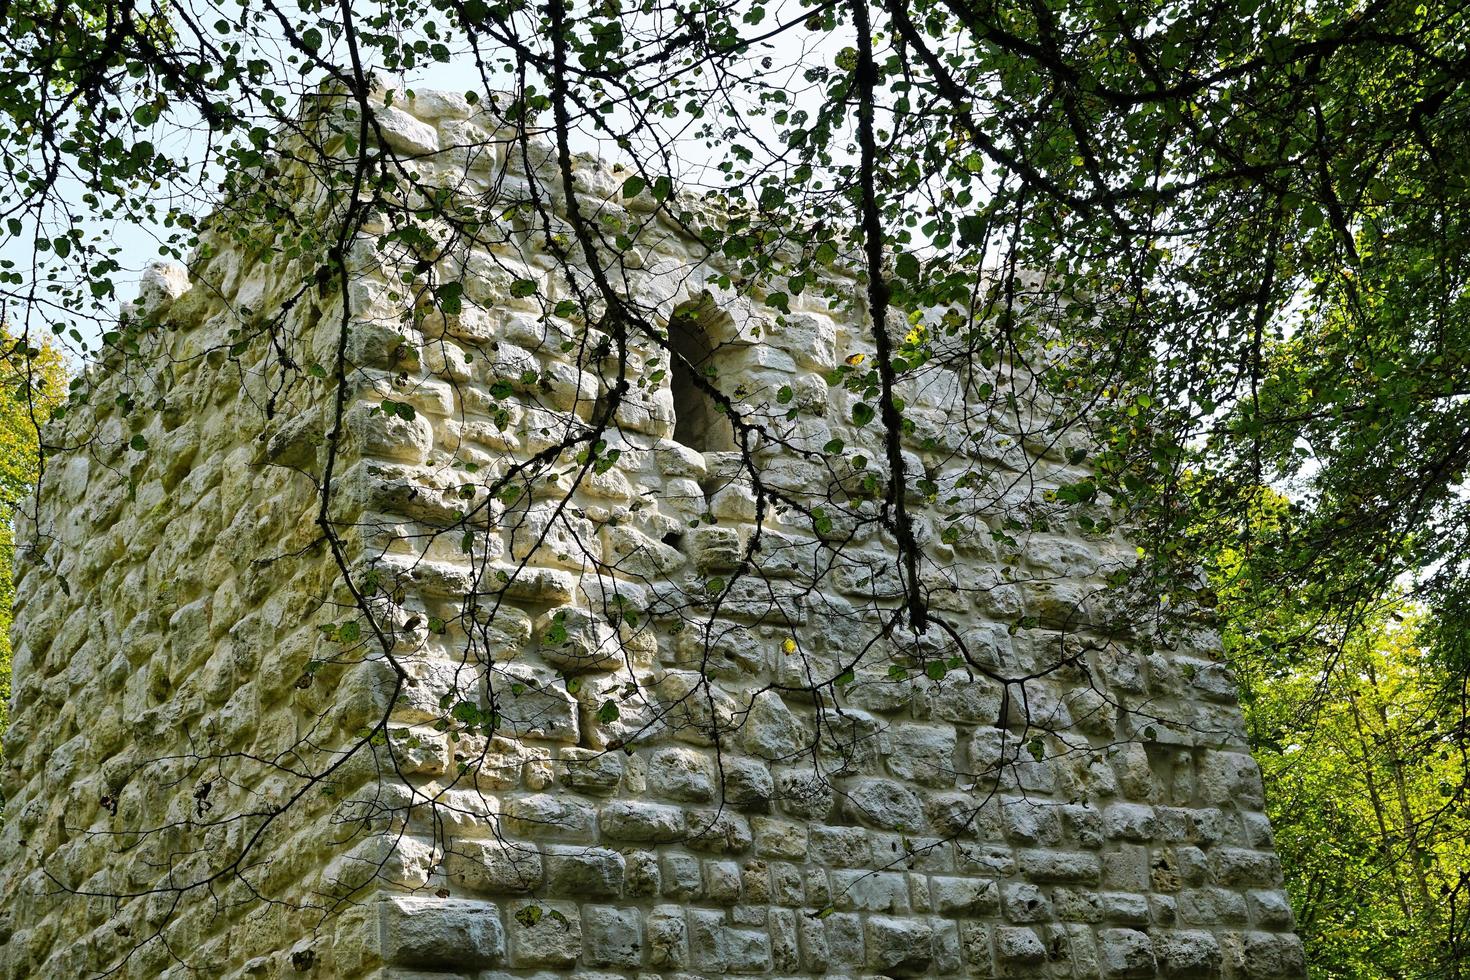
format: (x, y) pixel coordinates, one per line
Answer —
(1126, 953)
(1188, 953)
(899, 947)
(584, 872)
(922, 753)
(884, 803)
(494, 866)
(1272, 956)
(632, 821)
(611, 936)
(629, 731)
(682, 774)
(1018, 945)
(431, 932)
(544, 933)
(965, 897)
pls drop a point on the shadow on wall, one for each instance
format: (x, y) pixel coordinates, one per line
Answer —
(697, 332)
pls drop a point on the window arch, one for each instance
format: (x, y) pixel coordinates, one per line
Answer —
(698, 421)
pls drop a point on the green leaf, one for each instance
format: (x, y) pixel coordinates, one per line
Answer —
(402, 410)
(973, 229)
(862, 414)
(609, 712)
(521, 288)
(634, 186)
(607, 462)
(821, 521)
(138, 443)
(450, 295)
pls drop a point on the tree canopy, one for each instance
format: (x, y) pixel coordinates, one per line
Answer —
(1252, 217)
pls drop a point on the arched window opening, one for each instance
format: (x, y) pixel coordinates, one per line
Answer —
(698, 422)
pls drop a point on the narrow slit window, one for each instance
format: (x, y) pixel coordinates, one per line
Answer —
(698, 422)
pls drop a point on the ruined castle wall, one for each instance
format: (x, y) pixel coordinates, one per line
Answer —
(645, 708)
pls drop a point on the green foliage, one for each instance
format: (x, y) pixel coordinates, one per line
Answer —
(1368, 802)
(1359, 732)
(32, 383)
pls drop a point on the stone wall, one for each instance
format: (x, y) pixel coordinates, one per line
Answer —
(658, 716)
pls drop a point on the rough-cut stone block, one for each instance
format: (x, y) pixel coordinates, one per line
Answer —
(844, 942)
(628, 820)
(1238, 866)
(1024, 902)
(771, 731)
(804, 794)
(611, 936)
(884, 803)
(1018, 945)
(441, 932)
(840, 847)
(1126, 953)
(720, 831)
(1188, 954)
(748, 784)
(590, 770)
(898, 947)
(1066, 867)
(578, 872)
(1131, 821)
(543, 933)
(722, 884)
(922, 753)
(965, 896)
(682, 878)
(494, 866)
(870, 891)
(1272, 956)
(549, 817)
(682, 774)
(1270, 909)
(719, 948)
